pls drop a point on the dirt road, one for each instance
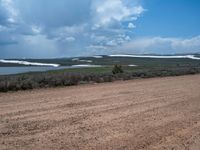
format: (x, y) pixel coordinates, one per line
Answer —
(151, 114)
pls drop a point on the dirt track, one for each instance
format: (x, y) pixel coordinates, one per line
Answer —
(159, 113)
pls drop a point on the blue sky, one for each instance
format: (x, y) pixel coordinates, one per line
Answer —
(65, 28)
(177, 18)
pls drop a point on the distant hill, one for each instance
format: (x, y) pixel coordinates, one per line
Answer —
(105, 60)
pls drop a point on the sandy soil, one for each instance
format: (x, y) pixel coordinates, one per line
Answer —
(151, 114)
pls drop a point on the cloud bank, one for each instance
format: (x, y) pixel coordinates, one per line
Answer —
(64, 28)
(159, 45)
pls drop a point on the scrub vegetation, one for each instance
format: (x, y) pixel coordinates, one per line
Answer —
(70, 77)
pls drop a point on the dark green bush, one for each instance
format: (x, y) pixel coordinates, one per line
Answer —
(117, 69)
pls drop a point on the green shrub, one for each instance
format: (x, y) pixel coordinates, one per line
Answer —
(117, 69)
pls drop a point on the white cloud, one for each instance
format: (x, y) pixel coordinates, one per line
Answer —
(107, 11)
(94, 49)
(111, 43)
(93, 24)
(36, 46)
(114, 10)
(127, 38)
(187, 43)
(137, 10)
(73, 29)
(70, 39)
(36, 29)
(11, 11)
(99, 47)
(131, 26)
(2, 28)
(161, 45)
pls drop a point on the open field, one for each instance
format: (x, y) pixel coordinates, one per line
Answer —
(157, 113)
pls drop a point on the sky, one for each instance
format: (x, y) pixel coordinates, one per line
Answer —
(68, 28)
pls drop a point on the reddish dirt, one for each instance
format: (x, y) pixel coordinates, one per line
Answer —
(151, 114)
